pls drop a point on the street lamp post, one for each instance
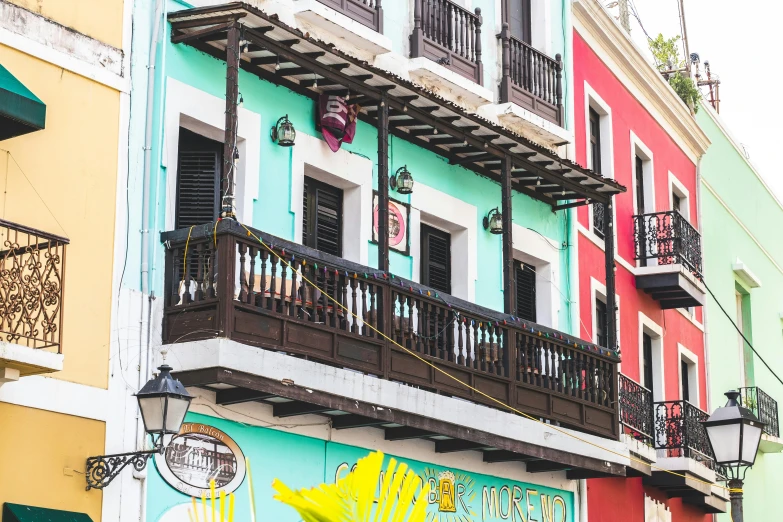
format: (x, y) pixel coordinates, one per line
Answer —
(734, 434)
(163, 402)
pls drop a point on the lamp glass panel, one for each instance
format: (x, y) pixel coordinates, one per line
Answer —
(725, 441)
(152, 411)
(287, 132)
(176, 413)
(496, 222)
(750, 442)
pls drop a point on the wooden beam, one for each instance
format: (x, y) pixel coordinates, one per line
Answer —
(407, 433)
(505, 456)
(185, 37)
(509, 281)
(343, 422)
(201, 22)
(230, 136)
(239, 395)
(442, 139)
(422, 132)
(453, 445)
(571, 205)
(544, 466)
(294, 408)
(476, 158)
(383, 185)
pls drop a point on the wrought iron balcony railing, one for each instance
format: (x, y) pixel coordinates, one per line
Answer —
(229, 285)
(366, 12)
(679, 432)
(32, 269)
(636, 410)
(764, 407)
(668, 238)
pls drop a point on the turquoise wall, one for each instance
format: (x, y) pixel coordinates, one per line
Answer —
(271, 211)
(304, 462)
(740, 219)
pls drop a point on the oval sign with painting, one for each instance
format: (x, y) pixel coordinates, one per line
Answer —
(199, 454)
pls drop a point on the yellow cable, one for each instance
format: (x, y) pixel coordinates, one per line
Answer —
(468, 386)
(185, 258)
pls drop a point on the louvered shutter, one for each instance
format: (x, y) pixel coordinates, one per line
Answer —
(526, 291)
(600, 322)
(198, 174)
(436, 259)
(322, 217)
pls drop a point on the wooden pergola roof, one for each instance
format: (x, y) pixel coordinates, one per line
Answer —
(311, 67)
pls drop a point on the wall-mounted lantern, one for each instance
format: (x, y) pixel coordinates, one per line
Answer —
(284, 133)
(494, 221)
(402, 181)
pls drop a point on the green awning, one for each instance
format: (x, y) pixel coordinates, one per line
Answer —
(21, 111)
(20, 513)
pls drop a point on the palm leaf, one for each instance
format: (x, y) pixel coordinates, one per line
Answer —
(353, 498)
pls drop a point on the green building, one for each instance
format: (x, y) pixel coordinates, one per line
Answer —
(743, 268)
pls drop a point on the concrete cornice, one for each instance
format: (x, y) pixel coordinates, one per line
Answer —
(616, 49)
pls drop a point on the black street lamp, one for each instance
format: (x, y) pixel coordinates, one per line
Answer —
(734, 434)
(163, 402)
(284, 133)
(493, 221)
(402, 181)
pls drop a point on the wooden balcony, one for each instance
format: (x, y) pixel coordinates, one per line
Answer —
(229, 285)
(449, 35)
(668, 249)
(531, 79)
(367, 12)
(32, 271)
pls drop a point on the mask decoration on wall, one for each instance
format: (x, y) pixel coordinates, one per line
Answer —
(337, 120)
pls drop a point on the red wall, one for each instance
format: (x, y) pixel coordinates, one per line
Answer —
(611, 500)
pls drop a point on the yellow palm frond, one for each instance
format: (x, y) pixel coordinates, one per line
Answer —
(367, 494)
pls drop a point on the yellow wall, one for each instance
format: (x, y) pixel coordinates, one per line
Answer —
(99, 19)
(72, 164)
(35, 447)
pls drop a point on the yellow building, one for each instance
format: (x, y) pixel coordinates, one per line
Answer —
(63, 144)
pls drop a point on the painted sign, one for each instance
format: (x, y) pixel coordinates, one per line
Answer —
(399, 215)
(460, 496)
(199, 454)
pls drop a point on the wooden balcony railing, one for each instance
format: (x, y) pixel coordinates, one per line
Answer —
(366, 12)
(32, 270)
(448, 34)
(531, 79)
(679, 432)
(229, 285)
(668, 238)
(636, 410)
(764, 407)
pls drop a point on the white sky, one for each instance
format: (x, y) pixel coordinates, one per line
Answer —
(741, 42)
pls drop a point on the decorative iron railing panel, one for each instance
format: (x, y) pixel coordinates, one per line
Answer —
(668, 238)
(366, 12)
(764, 407)
(598, 219)
(32, 270)
(636, 410)
(224, 283)
(679, 432)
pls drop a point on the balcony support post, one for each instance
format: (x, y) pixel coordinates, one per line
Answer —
(559, 89)
(230, 140)
(383, 184)
(505, 78)
(417, 35)
(611, 304)
(508, 240)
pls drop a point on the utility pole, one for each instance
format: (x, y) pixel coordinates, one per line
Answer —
(684, 29)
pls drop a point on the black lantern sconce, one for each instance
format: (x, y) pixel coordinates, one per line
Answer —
(494, 221)
(284, 133)
(402, 181)
(163, 402)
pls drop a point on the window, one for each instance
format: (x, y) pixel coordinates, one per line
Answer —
(647, 362)
(595, 162)
(600, 323)
(639, 177)
(676, 203)
(679, 197)
(322, 217)
(684, 370)
(519, 16)
(435, 258)
(526, 291)
(199, 161)
(743, 320)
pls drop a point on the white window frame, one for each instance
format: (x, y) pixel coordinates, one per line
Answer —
(692, 360)
(352, 174)
(638, 148)
(205, 114)
(544, 254)
(593, 100)
(677, 187)
(458, 218)
(598, 291)
(655, 331)
(540, 22)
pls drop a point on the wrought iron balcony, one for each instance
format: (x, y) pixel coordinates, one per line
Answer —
(366, 12)
(448, 34)
(668, 249)
(228, 285)
(764, 407)
(679, 432)
(636, 410)
(531, 79)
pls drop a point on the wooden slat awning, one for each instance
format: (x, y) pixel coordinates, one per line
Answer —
(286, 56)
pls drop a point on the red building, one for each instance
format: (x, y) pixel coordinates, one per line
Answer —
(630, 125)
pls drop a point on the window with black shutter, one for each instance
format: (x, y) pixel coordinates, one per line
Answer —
(199, 161)
(526, 291)
(686, 388)
(647, 362)
(322, 217)
(595, 164)
(519, 19)
(600, 322)
(435, 258)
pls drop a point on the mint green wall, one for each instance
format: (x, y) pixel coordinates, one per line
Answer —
(304, 462)
(731, 187)
(272, 213)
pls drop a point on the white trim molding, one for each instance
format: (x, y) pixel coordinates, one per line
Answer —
(654, 330)
(678, 187)
(746, 277)
(692, 360)
(544, 255)
(638, 148)
(598, 289)
(58, 396)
